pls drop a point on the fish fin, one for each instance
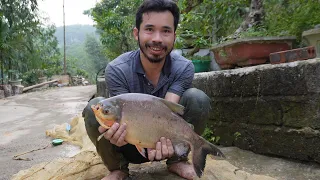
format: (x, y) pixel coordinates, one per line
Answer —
(177, 108)
(142, 151)
(200, 150)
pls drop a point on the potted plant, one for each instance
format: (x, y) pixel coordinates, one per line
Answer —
(15, 79)
(201, 63)
(249, 51)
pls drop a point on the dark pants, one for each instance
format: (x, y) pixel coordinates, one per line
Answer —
(197, 107)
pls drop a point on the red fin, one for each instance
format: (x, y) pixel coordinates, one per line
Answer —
(142, 151)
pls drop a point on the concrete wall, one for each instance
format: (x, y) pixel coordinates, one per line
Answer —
(268, 109)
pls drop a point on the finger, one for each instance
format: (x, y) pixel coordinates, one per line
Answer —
(111, 131)
(151, 154)
(158, 151)
(170, 148)
(164, 148)
(121, 140)
(118, 133)
(101, 129)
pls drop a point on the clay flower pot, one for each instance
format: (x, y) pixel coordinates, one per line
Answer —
(249, 51)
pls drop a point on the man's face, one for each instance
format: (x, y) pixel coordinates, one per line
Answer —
(156, 36)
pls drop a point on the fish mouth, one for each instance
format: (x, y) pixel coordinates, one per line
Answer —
(104, 120)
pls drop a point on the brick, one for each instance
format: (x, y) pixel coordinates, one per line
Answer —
(293, 55)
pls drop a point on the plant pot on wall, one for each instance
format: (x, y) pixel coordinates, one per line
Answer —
(16, 82)
(201, 65)
(312, 38)
(249, 51)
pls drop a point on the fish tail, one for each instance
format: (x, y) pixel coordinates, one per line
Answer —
(200, 151)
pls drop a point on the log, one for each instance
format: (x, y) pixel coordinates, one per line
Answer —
(39, 85)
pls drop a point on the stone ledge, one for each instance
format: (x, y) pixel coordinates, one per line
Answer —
(302, 144)
(289, 79)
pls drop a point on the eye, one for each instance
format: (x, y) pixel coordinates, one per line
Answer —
(106, 111)
(149, 29)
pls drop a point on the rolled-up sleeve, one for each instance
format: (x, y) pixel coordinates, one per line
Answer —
(115, 81)
(183, 81)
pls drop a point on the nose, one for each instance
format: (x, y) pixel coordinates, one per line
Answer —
(157, 37)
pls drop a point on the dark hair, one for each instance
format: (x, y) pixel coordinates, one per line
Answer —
(158, 6)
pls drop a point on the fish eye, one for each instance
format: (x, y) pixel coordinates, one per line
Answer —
(106, 111)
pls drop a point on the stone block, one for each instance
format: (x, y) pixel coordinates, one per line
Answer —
(246, 110)
(289, 79)
(17, 89)
(301, 144)
(295, 112)
(2, 94)
(7, 89)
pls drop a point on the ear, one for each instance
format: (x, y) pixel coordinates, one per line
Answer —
(136, 33)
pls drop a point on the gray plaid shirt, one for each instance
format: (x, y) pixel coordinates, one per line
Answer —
(125, 74)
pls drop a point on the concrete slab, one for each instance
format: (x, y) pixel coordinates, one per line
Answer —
(25, 118)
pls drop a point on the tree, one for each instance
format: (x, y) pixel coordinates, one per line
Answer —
(95, 50)
(25, 42)
(116, 20)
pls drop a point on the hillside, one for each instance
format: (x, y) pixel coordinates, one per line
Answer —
(75, 34)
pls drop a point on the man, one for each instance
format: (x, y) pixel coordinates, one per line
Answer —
(154, 70)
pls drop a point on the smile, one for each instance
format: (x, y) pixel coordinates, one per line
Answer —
(156, 48)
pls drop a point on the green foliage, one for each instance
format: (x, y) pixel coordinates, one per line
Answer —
(32, 76)
(25, 43)
(15, 74)
(209, 135)
(115, 20)
(209, 21)
(236, 135)
(95, 50)
(291, 17)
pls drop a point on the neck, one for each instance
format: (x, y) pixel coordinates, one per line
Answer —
(152, 70)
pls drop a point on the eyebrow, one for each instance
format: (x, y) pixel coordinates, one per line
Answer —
(165, 27)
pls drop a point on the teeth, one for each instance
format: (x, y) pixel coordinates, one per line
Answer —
(155, 49)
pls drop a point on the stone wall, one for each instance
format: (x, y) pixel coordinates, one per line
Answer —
(268, 109)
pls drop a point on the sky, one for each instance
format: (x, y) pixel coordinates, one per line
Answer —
(73, 11)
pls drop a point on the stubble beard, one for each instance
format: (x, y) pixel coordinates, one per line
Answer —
(155, 59)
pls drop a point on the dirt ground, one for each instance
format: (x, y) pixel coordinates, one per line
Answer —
(25, 118)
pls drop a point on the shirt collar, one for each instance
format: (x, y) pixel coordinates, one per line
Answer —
(139, 69)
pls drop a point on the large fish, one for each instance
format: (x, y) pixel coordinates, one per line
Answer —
(149, 118)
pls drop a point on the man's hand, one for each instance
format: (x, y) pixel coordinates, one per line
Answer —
(115, 134)
(164, 150)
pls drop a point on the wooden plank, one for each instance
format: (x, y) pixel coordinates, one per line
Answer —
(39, 85)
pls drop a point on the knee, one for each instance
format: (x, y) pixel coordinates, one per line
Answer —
(196, 96)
